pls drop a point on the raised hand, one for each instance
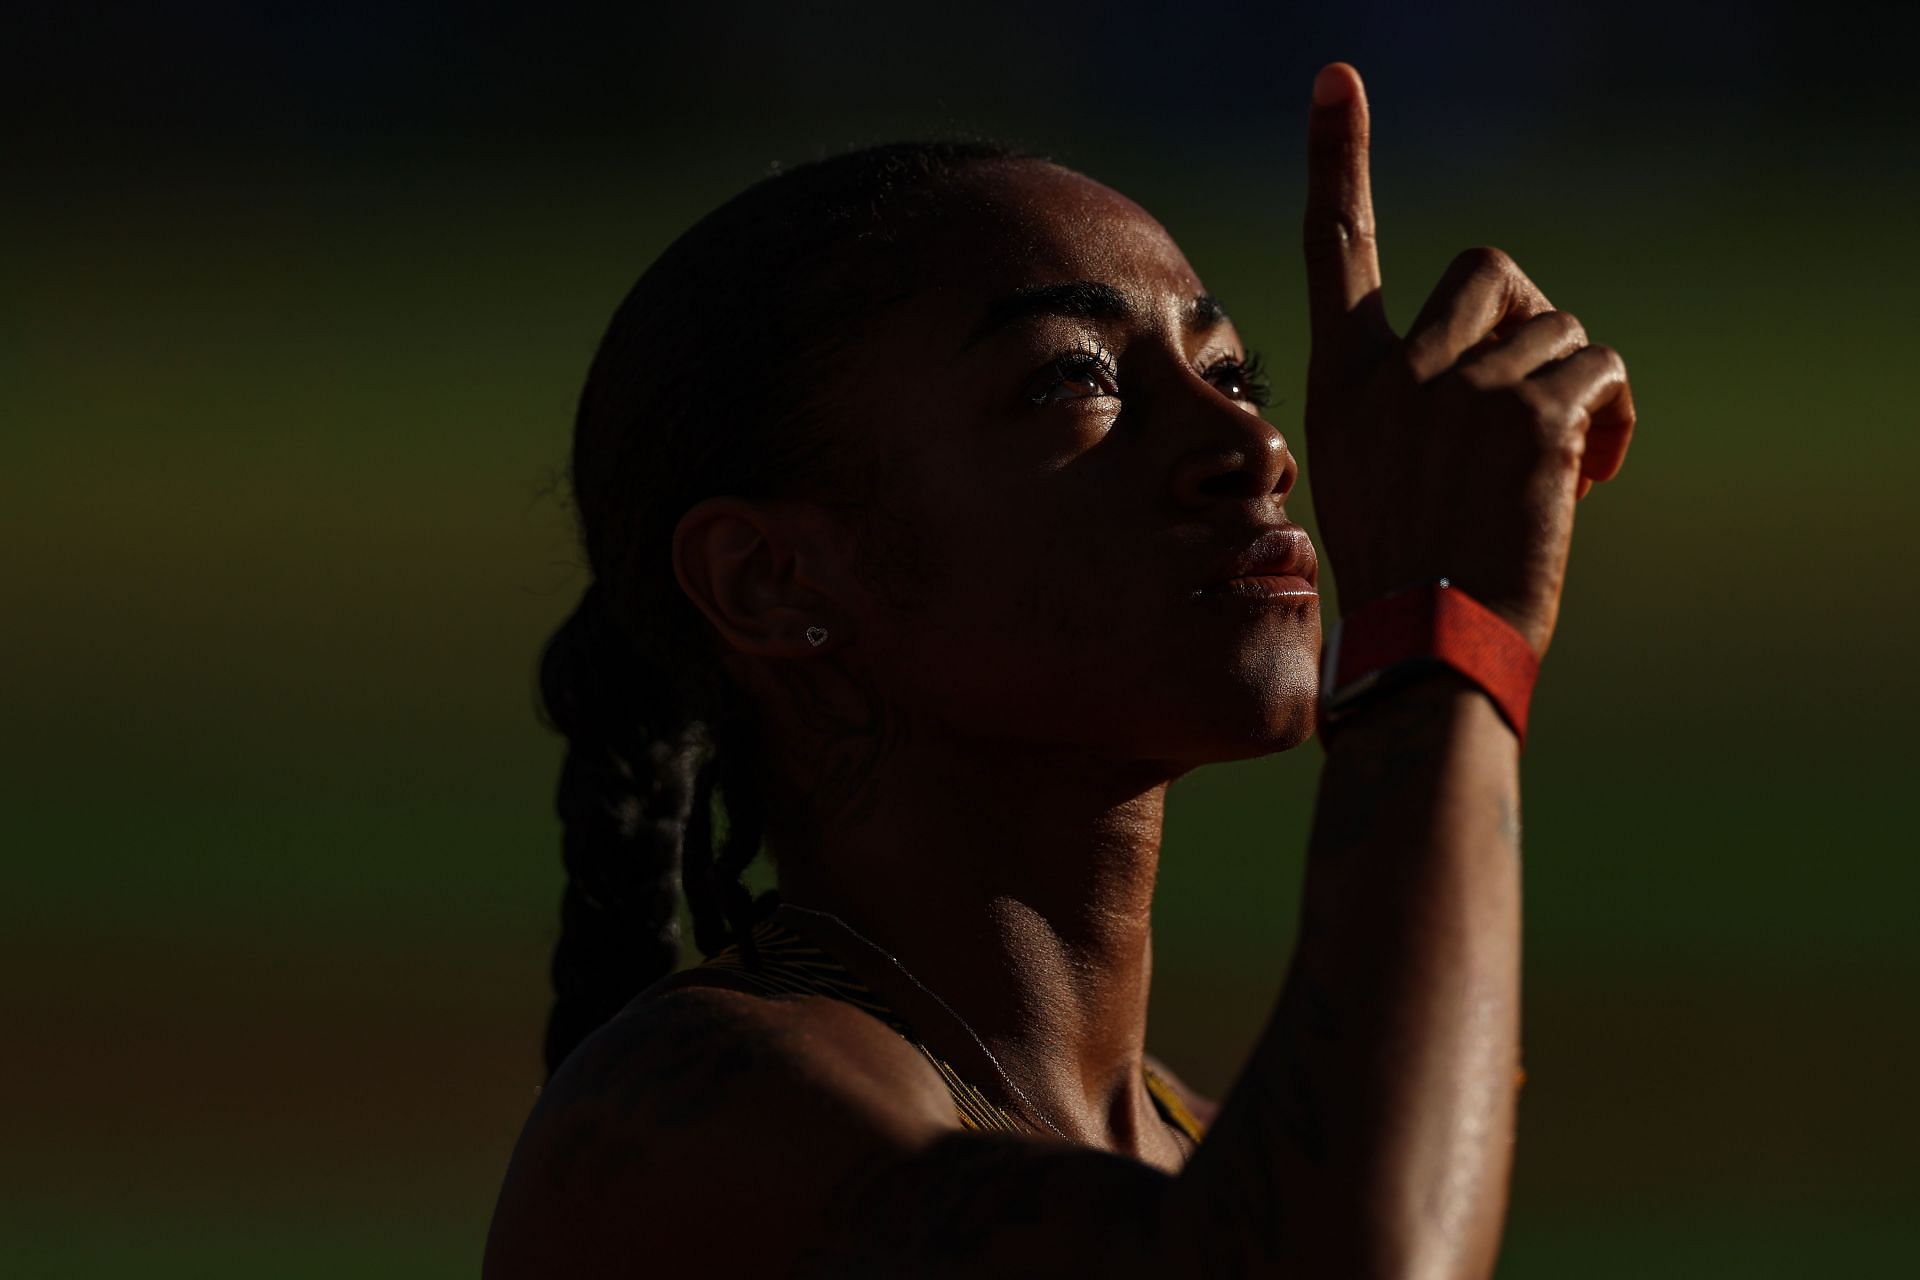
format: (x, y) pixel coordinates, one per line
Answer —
(1459, 450)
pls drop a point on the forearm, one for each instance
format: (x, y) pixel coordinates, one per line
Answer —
(1371, 1131)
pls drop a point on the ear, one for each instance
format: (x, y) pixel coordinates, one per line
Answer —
(759, 571)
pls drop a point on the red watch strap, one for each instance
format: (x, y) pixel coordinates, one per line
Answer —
(1435, 622)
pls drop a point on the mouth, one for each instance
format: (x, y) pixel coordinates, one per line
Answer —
(1265, 587)
(1280, 564)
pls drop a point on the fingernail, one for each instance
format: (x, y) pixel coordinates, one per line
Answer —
(1331, 87)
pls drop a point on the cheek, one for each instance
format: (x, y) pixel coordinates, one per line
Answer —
(1011, 628)
(1054, 626)
(1066, 594)
(1047, 609)
(896, 562)
(1031, 611)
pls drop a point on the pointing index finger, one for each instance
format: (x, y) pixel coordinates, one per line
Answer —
(1343, 264)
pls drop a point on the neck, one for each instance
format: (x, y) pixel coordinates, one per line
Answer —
(1016, 884)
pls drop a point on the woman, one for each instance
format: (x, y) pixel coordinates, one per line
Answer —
(935, 528)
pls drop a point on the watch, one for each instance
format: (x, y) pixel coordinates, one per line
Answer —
(1388, 640)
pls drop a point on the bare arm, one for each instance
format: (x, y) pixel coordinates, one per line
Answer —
(1370, 1132)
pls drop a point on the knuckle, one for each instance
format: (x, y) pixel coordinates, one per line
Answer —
(1562, 427)
(1567, 449)
(1337, 232)
(1612, 359)
(1484, 259)
(1570, 325)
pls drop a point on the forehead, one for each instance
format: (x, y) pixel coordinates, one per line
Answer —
(1006, 226)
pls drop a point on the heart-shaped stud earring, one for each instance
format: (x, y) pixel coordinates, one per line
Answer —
(816, 636)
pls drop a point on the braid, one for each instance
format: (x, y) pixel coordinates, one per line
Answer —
(746, 804)
(708, 930)
(724, 910)
(622, 801)
(790, 267)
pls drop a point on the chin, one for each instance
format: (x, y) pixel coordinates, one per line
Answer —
(1282, 733)
(1249, 732)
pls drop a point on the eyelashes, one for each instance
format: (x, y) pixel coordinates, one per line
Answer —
(1090, 365)
(1249, 378)
(1086, 364)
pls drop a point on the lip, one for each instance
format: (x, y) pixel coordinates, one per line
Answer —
(1279, 562)
(1266, 587)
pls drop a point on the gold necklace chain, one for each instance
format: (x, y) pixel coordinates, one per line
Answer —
(1014, 1089)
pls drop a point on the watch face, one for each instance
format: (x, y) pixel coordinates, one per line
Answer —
(1354, 690)
(1330, 662)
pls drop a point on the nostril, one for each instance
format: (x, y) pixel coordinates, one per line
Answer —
(1289, 473)
(1238, 476)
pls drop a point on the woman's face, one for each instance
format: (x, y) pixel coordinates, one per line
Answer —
(1071, 458)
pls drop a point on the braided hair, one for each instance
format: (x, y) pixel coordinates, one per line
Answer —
(713, 378)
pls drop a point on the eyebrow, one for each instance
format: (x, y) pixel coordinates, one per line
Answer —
(1083, 298)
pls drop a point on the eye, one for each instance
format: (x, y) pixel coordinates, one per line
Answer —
(1244, 380)
(1083, 374)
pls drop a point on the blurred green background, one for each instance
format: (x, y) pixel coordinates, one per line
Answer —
(295, 309)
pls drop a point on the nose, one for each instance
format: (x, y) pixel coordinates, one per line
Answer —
(1234, 454)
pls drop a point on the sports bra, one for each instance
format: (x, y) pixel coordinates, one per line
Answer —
(791, 964)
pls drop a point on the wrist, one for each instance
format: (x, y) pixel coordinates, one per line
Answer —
(1412, 635)
(1423, 696)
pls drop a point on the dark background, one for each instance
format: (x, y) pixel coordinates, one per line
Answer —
(296, 304)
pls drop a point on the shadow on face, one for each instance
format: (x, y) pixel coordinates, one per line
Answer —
(1071, 445)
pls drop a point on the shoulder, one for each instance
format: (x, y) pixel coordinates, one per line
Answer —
(1203, 1107)
(694, 1101)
